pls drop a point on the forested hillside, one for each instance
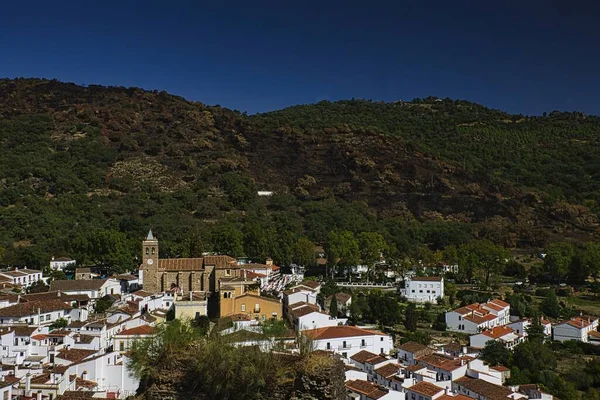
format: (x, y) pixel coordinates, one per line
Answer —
(85, 171)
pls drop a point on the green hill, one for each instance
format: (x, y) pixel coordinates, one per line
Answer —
(85, 171)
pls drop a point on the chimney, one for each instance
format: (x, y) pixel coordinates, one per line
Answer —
(462, 362)
(58, 294)
(447, 391)
(269, 261)
(28, 384)
(39, 395)
(464, 350)
(190, 295)
(84, 375)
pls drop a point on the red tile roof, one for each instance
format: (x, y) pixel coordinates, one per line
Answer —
(388, 370)
(332, 332)
(498, 332)
(484, 388)
(426, 389)
(75, 355)
(427, 278)
(138, 330)
(369, 389)
(362, 356)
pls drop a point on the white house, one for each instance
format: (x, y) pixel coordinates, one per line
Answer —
(408, 352)
(577, 328)
(365, 390)
(503, 334)
(520, 326)
(424, 391)
(306, 318)
(349, 340)
(61, 263)
(35, 313)
(299, 294)
(94, 288)
(344, 300)
(475, 318)
(424, 289)
(123, 341)
(24, 277)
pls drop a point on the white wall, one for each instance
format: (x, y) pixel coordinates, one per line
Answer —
(305, 296)
(373, 343)
(424, 291)
(316, 320)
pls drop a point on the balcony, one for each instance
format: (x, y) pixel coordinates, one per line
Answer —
(344, 347)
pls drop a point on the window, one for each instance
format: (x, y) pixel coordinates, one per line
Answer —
(328, 346)
(344, 344)
(122, 346)
(421, 291)
(153, 250)
(413, 290)
(363, 342)
(228, 272)
(257, 307)
(459, 318)
(274, 314)
(382, 350)
(147, 251)
(429, 291)
(243, 306)
(264, 317)
(381, 339)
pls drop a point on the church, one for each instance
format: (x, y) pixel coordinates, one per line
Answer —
(231, 284)
(200, 274)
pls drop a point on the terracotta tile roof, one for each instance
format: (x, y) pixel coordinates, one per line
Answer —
(388, 370)
(413, 347)
(480, 319)
(500, 368)
(181, 264)
(427, 278)
(303, 304)
(138, 330)
(376, 360)
(493, 306)
(362, 356)
(60, 369)
(77, 324)
(82, 383)
(67, 285)
(444, 362)
(220, 261)
(252, 274)
(83, 270)
(499, 302)
(484, 388)
(23, 330)
(369, 389)
(332, 332)
(39, 337)
(305, 310)
(75, 355)
(426, 389)
(414, 368)
(142, 293)
(457, 397)
(86, 339)
(31, 308)
(40, 379)
(342, 298)
(311, 284)
(498, 332)
(76, 395)
(579, 322)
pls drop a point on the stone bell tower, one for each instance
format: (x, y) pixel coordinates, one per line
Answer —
(151, 274)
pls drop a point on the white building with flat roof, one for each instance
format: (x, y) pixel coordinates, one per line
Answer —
(424, 289)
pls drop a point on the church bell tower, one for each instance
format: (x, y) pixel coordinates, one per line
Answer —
(151, 279)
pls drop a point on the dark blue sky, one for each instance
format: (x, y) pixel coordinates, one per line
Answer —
(525, 56)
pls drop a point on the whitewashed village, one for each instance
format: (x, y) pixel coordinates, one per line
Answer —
(64, 344)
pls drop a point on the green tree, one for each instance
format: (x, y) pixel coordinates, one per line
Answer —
(372, 245)
(303, 251)
(227, 239)
(342, 249)
(558, 259)
(240, 190)
(550, 305)
(486, 257)
(333, 306)
(450, 291)
(411, 318)
(59, 323)
(105, 248)
(494, 353)
(38, 287)
(587, 262)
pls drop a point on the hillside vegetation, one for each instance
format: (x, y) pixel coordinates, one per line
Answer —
(85, 171)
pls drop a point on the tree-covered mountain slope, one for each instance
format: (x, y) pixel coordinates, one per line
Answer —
(85, 171)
